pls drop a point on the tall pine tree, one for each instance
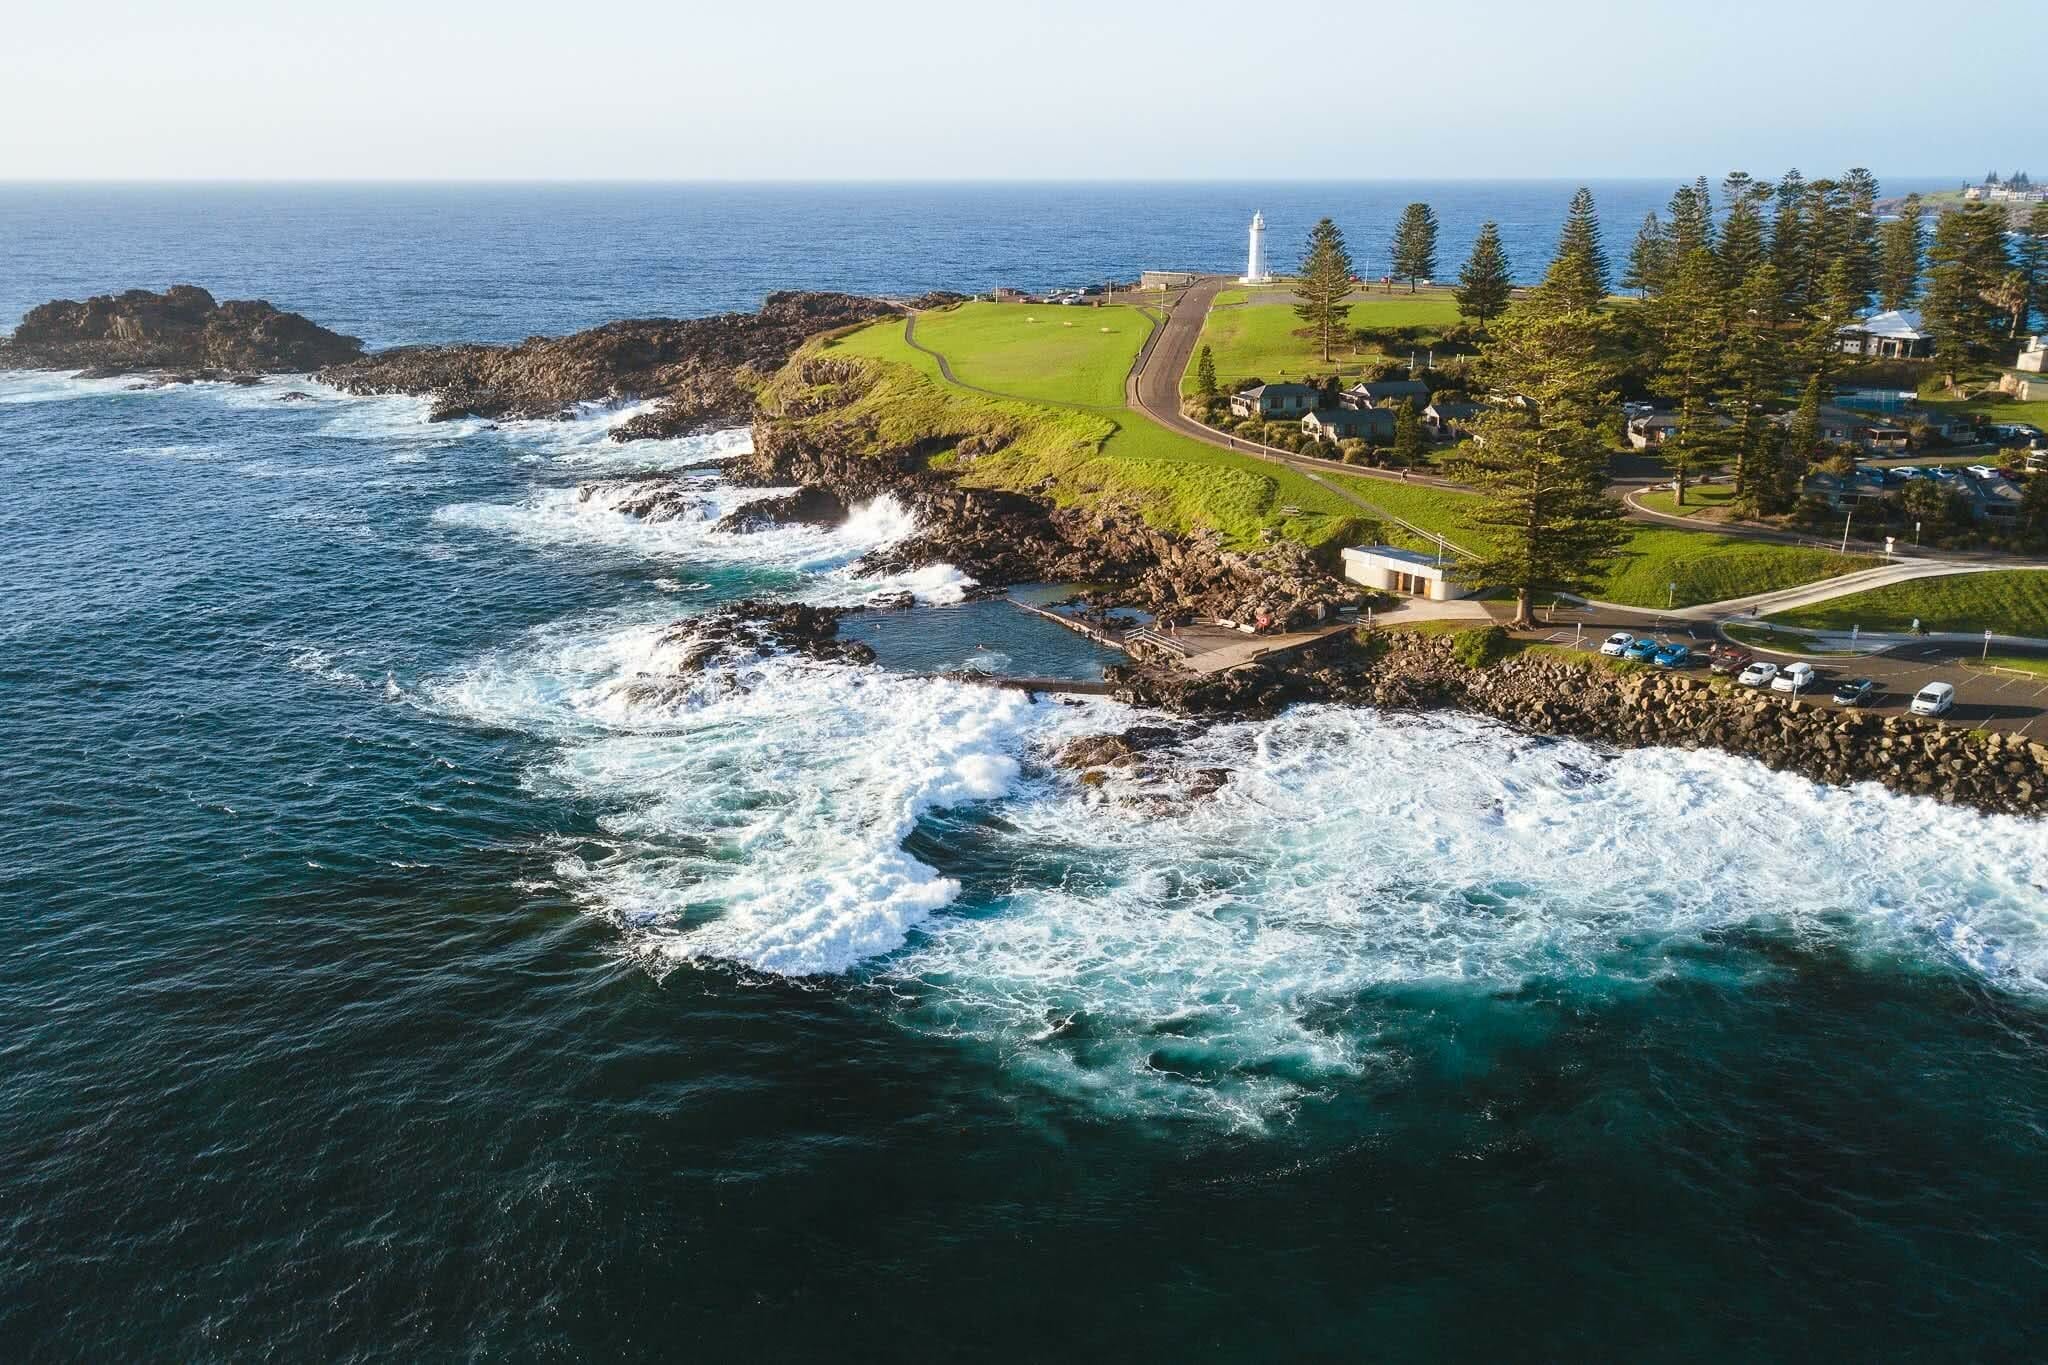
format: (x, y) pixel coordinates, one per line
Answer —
(1902, 245)
(1796, 451)
(1967, 261)
(2031, 256)
(1324, 283)
(1578, 273)
(1692, 221)
(1755, 373)
(1691, 322)
(1415, 244)
(1648, 258)
(1789, 252)
(1743, 246)
(1484, 285)
(1540, 465)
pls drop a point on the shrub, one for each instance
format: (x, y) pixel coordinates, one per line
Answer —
(1479, 646)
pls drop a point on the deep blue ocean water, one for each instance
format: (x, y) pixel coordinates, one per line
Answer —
(389, 970)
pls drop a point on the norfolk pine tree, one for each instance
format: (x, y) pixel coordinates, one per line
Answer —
(1901, 248)
(1324, 283)
(1415, 244)
(1691, 322)
(1541, 466)
(1756, 374)
(1578, 273)
(1411, 447)
(1205, 373)
(2032, 258)
(1649, 258)
(1483, 285)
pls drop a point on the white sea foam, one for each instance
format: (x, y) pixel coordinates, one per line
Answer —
(59, 386)
(760, 810)
(1224, 961)
(561, 517)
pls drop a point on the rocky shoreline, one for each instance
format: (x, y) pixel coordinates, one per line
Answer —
(1539, 694)
(711, 371)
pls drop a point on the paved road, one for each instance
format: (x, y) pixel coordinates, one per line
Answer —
(1991, 700)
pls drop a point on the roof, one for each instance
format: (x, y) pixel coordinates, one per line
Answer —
(1849, 417)
(1276, 389)
(1902, 324)
(1347, 417)
(1394, 552)
(1391, 388)
(1455, 410)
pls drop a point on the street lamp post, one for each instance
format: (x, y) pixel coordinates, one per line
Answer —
(1845, 529)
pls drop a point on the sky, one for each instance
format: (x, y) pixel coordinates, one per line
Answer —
(904, 89)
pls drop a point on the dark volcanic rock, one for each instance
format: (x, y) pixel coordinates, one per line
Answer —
(650, 497)
(179, 329)
(808, 506)
(702, 369)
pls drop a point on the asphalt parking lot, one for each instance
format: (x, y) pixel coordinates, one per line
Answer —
(1986, 699)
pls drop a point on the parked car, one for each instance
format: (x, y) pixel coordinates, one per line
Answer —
(1616, 644)
(1855, 692)
(1983, 471)
(1758, 674)
(1934, 699)
(1727, 659)
(1904, 473)
(1641, 650)
(1793, 678)
(1673, 656)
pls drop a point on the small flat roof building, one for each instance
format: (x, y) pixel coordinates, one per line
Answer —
(1861, 428)
(1388, 568)
(1166, 279)
(1898, 334)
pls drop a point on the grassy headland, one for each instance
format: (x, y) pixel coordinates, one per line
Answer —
(1072, 457)
(1269, 341)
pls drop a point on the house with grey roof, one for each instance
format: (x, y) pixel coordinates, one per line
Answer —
(1896, 334)
(1385, 393)
(1344, 424)
(1447, 421)
(1275, 400)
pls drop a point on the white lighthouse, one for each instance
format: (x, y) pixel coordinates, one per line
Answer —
(1255, 263)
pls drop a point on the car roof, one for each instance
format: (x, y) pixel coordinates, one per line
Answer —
(1937, 687)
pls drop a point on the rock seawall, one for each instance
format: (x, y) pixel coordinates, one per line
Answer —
(1548, 695)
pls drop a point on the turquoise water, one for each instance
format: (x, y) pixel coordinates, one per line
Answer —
(387, 974)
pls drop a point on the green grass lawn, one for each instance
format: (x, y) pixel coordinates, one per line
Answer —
(1995, 407)
(1711, 568)
(1260, 338)
(1091, 459)
(1698, 498)
(1053, 354)
(2007, 601)
(1706, 567)
(2019, 663)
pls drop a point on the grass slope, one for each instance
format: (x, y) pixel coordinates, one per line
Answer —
(1056, 355)
(2008, 601)
(1079, 458)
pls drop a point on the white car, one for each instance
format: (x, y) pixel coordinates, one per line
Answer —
(1983, 471)
(1758, 674)
(1614, 644)
(1934, 699)
(1793, 678)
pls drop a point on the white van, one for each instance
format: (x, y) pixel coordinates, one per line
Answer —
(1934, 699)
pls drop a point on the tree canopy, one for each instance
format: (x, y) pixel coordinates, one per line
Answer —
(1415, 244)
(1484, 284)
(1324, 283)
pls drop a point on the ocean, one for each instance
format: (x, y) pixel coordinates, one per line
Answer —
(388, 974)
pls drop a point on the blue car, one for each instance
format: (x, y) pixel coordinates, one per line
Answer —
(1673, 656)
(1642, 651)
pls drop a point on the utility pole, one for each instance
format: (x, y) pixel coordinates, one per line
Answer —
(1845, 529)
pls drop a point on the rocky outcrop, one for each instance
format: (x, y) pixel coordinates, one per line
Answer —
(808, 506)
(182, 329)
(1142, 767)
(648, 497)
(1545, 695)
(702, 370)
